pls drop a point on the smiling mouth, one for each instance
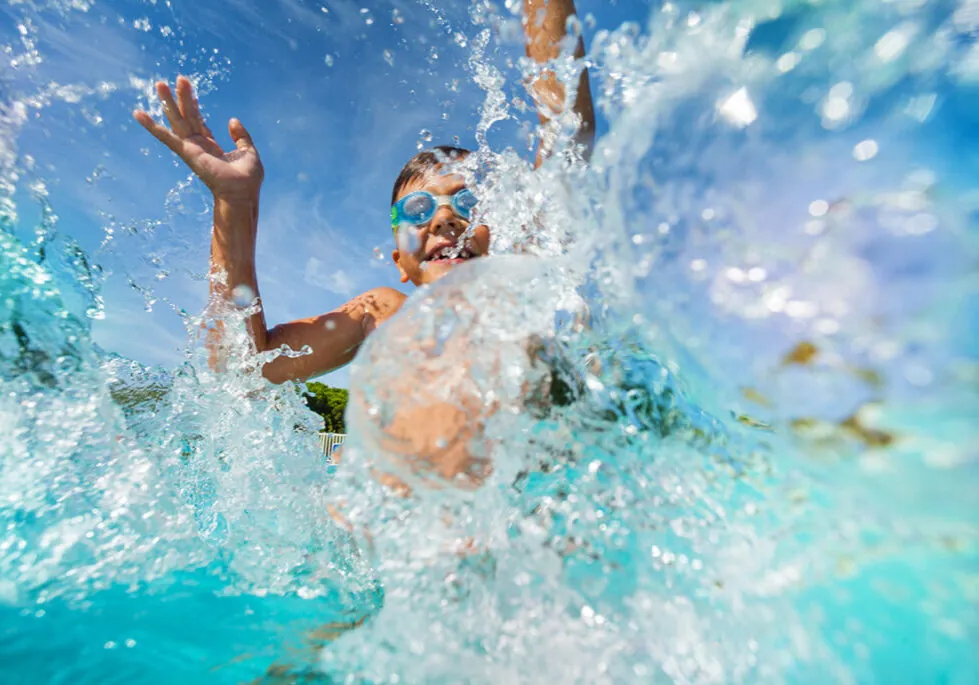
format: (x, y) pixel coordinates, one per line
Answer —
(450, 254)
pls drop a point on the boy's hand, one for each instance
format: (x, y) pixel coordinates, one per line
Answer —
(230, 175)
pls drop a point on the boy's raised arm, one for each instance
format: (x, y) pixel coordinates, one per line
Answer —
(235, 179)
(545, 22)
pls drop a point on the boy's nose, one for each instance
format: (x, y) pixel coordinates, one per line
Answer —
(446, 223)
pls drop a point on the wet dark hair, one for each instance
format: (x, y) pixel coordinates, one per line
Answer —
(425, 161)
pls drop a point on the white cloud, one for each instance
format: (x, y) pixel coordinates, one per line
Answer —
(335, 280)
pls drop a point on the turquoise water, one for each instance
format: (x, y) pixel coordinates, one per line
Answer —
(767, 466)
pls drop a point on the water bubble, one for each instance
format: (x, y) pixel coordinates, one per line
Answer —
(389, 57)
(739, 109)
(835, 109)
(788, 62)
(460, 39)
(330, 325)
(818, 207)
(407, 239)
(814, 227)
(142, 24)
(812, 39)
(893, 43)
(328, 60)
(397, 17)
(425, 135)
(735, 275)
(242, 295)
(865, 150)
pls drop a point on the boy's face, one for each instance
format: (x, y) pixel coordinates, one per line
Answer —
(421, 258)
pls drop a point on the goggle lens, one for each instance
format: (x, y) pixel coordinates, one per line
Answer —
(419, 207)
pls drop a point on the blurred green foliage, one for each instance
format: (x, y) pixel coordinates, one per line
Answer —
(329, 403)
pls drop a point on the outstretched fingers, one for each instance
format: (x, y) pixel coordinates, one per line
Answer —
(170, 108)
(239, 134)
(189, 109)
(159, 131)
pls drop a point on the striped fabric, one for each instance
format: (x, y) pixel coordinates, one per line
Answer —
(330, 442)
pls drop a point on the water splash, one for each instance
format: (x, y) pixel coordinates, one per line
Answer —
(754, 464)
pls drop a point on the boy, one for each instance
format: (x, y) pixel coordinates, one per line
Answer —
(435, 206)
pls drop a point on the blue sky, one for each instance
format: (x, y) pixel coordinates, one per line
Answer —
(335, 94)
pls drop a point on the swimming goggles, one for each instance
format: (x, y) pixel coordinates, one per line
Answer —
(419, 207)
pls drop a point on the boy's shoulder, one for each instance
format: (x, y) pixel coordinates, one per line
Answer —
(381, 302)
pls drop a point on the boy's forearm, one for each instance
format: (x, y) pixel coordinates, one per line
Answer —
(546, 27)
(233, 252)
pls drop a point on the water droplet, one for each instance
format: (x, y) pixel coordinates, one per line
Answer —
(425, 135)
(788, 62)
(834, 111)
(407, 239)
(397, 17)
(389, 57)
(893, 43)
(242, 295)
(328, 60)
(812, 39)
(460, 39)
(818, 207)
(864, 150)
(738, 108)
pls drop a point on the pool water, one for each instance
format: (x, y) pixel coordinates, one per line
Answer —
(763, 466)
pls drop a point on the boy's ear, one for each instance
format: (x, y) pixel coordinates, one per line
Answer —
(396, 256)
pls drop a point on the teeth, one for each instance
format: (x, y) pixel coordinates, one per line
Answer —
(452, 252)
